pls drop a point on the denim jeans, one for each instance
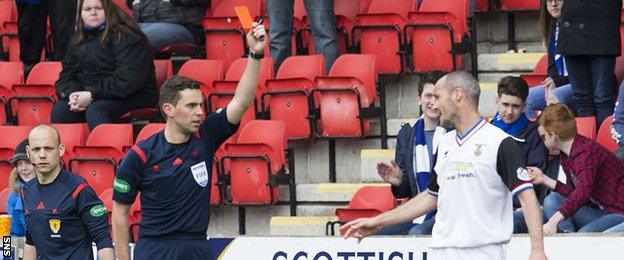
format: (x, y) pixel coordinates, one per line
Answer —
(594, 84)
(99, 112)
(580, 220)
(408, 228)
(617, 127)
(536, 100)
(618, 228)
(604, 223)
(520, 226)
(322, 22)
(161, 35)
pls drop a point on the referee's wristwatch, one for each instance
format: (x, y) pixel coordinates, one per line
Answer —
(256, 56)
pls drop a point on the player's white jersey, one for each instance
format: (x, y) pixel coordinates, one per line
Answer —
(472, 178)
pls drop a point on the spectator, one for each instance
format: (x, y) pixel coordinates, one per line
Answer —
(411, 168)
(323, 23)
(169, 22)
(31, 27)
(512, 94)
(22, 172)
(617, 127)
(596, 191)
(556, 87)
(108, 70)
(590, 41)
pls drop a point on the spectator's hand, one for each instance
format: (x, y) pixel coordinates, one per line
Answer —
(537, 175)
(360, 228)
(390, 173)
(82, 101)
(551, 226)
(548, 83)
(550, 96)
(256, 38)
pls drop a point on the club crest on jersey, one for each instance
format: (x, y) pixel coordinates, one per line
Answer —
(523, 174)
(55, 225)
(478, 149)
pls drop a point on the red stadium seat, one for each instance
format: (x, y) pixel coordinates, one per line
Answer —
(8, 31)
(225, 37)
(134, 219)
(345, 96)
(368, 201)
(12, 74)
(437, 33)
(482, 6)
(124, 7)
(6, 167)
(256, 163)
(4, 196)
(33, 102)
(289, 95)
(97, 159)
(72, 135)
(149, 130)
(163, 70)
(380, 32)
(586, 126)
(604, 135)
(539, 72)
(519, 5)
(203, 71)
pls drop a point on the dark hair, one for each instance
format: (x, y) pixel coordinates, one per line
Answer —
(546, 22)
(117, 21)
(170, 90)
(513, 86)
(430, 77)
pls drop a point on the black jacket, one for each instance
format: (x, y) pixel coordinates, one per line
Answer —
(403, 156)
(533, 147)
(110, 70)
(590, 27)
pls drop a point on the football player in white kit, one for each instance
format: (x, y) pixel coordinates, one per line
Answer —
(478, 169)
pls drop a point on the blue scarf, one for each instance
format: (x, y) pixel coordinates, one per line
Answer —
(513, 128)
(94, 29)
(422, 165)
(558, 58)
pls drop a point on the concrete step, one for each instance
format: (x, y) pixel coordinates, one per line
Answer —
(509, 62)
(300, 225)
(368, 163)
(224, 219)
(325, 192)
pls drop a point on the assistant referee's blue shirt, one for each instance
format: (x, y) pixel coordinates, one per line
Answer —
(173, 179)
(64, 217)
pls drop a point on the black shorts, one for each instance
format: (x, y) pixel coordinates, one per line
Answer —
(152, 249)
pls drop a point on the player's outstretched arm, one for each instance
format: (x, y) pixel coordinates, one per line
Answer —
(533, 217)
(106, 254)
(422, 204)
(30, 252)
(246, 89)
(121, 234)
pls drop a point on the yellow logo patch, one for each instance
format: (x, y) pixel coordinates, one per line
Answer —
(55, 225)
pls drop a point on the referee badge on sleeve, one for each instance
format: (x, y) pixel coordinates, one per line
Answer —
(523, 174)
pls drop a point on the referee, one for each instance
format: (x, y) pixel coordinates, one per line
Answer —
(478, 170)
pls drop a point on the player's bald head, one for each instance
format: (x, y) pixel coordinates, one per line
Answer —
(45, 131)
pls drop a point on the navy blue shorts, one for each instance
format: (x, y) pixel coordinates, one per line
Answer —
(151, 249)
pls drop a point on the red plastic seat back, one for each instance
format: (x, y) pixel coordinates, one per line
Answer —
(45, 73)
(459, 9)
(203, 71)
(519, 5)
(361, 67)
(250, 176)
(164, 70)
(13, 135)
(586, 126)
(12, 73)
(604, 135)
(4, 196)
(6, 154)
(368, 201)
(118, 136)
(148, 130)
(72, 135)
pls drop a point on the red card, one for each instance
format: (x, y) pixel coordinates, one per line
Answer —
(244, 16)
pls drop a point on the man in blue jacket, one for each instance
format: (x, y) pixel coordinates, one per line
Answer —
(413, 159)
